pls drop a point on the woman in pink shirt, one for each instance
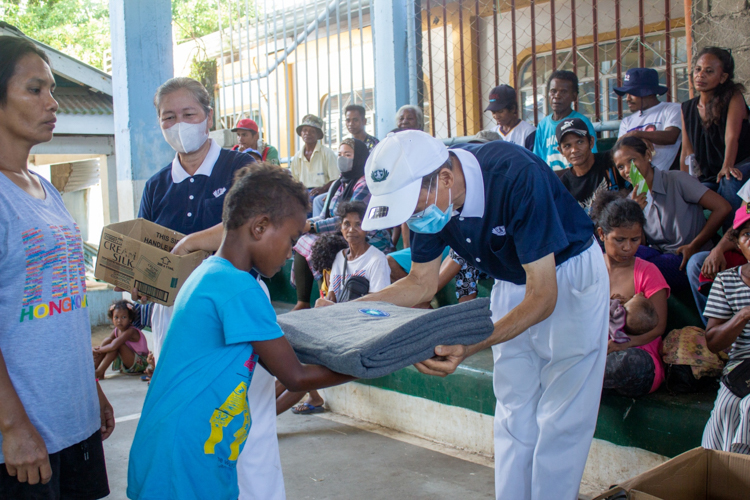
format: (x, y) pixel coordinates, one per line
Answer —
(633, 368)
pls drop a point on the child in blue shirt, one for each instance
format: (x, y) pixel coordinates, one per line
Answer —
(562, 91)
(196, 418)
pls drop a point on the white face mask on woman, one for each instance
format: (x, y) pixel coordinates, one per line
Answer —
(186, 137)
(345, 164)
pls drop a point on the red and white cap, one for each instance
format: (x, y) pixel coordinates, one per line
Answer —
(394, 172)
(246, 124)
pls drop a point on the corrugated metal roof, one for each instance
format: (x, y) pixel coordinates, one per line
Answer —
(74, 176)
(80, 101)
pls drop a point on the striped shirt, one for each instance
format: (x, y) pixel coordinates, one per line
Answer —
(729, 294)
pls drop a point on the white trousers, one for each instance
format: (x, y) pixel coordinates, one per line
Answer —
(160, 318)
(259, 466)
(548, 383)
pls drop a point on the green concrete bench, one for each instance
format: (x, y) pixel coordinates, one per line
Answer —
(661, 423)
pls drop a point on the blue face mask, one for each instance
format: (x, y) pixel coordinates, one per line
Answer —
(432, 220)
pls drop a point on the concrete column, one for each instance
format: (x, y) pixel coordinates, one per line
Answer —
(108, 180)
(141, 61)
(391, 63)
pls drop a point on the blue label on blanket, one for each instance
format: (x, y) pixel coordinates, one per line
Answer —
(377, 313)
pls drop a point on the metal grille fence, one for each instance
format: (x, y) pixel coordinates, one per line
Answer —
(281, 59)
(470, 46)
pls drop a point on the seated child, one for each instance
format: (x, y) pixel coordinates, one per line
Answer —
(196, 416)
(323, 254)
(630, 318)
(125, 348)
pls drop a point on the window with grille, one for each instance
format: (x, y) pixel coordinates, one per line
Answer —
(654, 45)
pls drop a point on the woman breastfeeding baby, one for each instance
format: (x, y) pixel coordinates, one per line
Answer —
(634, 366)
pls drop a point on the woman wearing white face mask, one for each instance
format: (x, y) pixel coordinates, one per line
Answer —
(351, 186)
(188, 194)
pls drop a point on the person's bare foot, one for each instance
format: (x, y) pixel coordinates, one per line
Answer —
(312, 404)
(300, 306)
(314, 401)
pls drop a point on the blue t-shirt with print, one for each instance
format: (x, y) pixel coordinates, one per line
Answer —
(545, 143)
(196, 417)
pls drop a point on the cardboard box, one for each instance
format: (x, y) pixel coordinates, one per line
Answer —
(698, 474)
(136, 254)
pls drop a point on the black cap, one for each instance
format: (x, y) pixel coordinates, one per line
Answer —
(501, 97)
(575, 125)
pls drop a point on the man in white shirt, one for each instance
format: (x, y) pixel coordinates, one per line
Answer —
(655, 121)
(504, 108)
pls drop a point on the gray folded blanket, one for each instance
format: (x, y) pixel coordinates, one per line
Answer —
(374, 339)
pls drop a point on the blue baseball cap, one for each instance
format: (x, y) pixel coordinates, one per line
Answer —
(641, 82)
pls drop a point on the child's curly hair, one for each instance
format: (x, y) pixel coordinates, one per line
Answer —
(124, 305)
(324, 250)
(263, 188)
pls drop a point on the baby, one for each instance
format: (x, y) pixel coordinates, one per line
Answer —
(630, 318)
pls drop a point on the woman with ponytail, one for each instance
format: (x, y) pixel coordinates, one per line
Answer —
(715, 129)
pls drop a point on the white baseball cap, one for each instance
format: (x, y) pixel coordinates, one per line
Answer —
(394, 172)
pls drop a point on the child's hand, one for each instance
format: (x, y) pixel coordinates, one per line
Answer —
(639, 198)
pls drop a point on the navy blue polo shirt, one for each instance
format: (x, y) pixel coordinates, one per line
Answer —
(527, 213)
(193, 203)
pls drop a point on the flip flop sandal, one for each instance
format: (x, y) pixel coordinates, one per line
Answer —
(308, 409)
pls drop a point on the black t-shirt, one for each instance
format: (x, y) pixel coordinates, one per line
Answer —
(708, 143)
(603, 175)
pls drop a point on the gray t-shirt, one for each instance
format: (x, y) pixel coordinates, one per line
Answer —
(45, 335)
(673, 215)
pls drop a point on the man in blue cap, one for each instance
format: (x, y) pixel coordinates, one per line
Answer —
(502, 208)
(655, 121)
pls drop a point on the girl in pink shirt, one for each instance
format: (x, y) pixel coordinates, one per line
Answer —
(125, 348)
(633, 368)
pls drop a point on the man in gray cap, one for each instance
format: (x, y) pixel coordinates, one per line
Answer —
(315, 164)
(502, 208)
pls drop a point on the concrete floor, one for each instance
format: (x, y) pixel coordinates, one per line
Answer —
(321, 458)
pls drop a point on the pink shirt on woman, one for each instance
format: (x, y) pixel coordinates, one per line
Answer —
(140, 347)
(648, 280)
